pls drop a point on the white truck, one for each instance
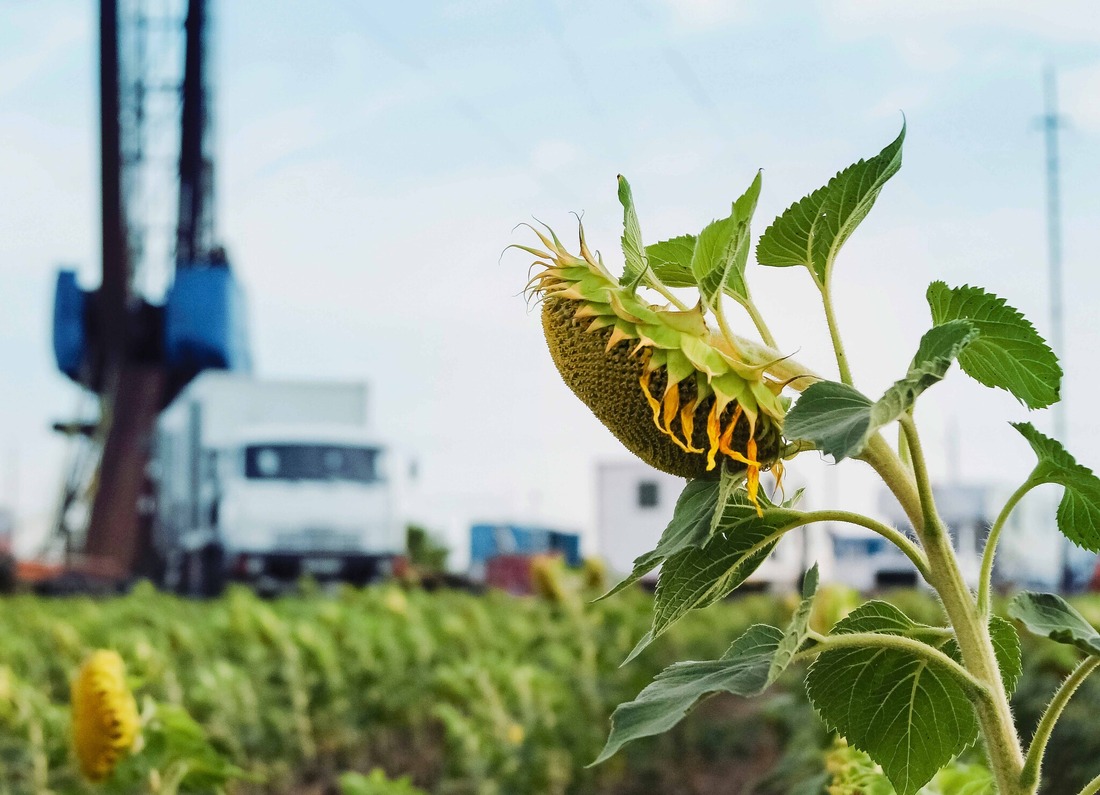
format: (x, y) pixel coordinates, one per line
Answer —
(268, 481)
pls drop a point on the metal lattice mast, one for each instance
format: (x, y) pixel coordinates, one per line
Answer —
(1051, 123)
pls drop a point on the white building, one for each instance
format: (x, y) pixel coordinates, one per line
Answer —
(1031, 552)
(634, 505)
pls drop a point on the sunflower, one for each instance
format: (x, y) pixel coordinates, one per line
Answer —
(677, 394)
(104, 714)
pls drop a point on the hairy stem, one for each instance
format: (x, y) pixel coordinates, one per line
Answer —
(985, 579)
(897, 476)
(834, 332)
(1092, 787)
(864, 640)
(724, 326)
(761, 325)
(1034, 762)
(971, 629)
(889, 533)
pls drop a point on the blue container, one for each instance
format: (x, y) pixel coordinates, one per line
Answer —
(847, 548)
(204, 321)
(568, 545)
(70, 336)
(489, 540)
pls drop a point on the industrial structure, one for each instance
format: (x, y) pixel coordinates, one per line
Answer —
(133, 353)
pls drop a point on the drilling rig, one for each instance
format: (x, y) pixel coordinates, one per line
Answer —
(131, 351)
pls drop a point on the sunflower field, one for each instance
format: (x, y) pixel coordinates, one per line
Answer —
(391, 691)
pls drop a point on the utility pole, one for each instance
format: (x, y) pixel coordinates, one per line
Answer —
(1051, 123)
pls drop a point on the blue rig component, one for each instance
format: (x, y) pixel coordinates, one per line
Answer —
(201, 326)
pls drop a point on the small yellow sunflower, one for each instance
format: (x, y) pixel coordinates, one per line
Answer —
(105, 714)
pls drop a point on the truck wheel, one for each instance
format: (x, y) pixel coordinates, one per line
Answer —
(203, 574)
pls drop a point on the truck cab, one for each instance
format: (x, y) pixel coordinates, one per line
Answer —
(269, 496)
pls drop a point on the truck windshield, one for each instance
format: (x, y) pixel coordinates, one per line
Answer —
(311, 462)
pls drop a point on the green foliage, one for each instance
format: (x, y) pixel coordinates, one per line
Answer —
(1049, 615)
(699, 576)
(1009, 353)
(423, 550)
(1079, 510)
(742, 670)
(754, 661)
(811, 231)
(899, 690)
(694, 520)
(911, 714)
(671, 260)
(798, 630)
(486, 694)
(722, 251)
(177, 753)
(637, 263)
(1006, 645)
(839, 420)
(376, 783)
(853, 773)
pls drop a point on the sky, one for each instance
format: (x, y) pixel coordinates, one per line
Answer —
(374, 160)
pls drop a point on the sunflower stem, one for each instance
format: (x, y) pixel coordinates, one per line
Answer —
(723, 324)
(1034, 763)
(761, 325)
(985, 579)
(971, 629)
(834, 332)
(862, 640)
(911, 550)
(1092, 787)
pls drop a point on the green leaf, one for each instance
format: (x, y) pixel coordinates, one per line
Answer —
(1009, 354)
(694, 520)
(377, 783)
(722, 251)
(1079, 510)
(909, 714)
(811, 231)
(742, 670)
(1051, 616)
(671, 260)
(699, 576)
(1006, 647)
(798, 629)
(840, 420)
(834, 416)
(637, 264)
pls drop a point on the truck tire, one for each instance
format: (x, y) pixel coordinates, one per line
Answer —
(204, 573)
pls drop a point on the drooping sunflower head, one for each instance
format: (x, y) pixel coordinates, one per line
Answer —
(104, 714)
(674, 392)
